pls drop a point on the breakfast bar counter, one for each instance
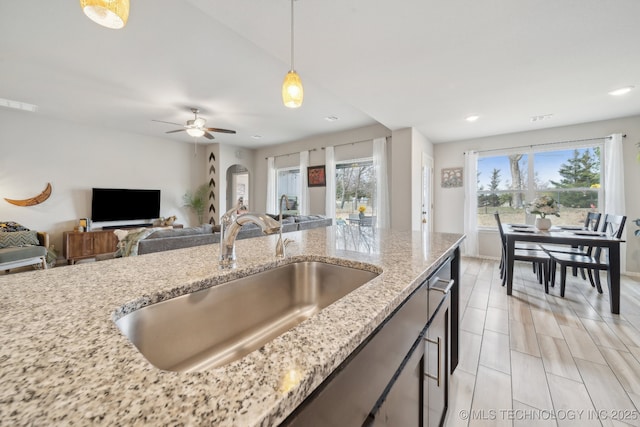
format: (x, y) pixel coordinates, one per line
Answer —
(63, 360)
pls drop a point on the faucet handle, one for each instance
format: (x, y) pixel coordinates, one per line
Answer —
(281, 247)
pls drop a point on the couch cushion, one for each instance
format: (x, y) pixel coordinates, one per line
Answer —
(12, 226)
(16, 254)
(305, 218)
(18, 239)
(179, 232)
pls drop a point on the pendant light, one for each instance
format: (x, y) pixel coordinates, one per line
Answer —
(292, 92)
(108, 13)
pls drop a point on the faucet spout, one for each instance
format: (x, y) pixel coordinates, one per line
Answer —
(281, 246)
(230, 225)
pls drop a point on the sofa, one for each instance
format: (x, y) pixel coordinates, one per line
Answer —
(20, 246)
(164, 240)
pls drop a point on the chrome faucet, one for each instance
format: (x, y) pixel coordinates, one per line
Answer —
(230, 225)
(281, 246)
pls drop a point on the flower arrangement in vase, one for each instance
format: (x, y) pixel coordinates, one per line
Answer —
(361, 210)
(543, 206)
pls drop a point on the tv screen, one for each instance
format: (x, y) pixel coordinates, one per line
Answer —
(116, 204)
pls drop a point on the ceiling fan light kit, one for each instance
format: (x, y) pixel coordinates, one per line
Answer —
(292, 92)
(195, 132)
(196, 127)
(108, 13)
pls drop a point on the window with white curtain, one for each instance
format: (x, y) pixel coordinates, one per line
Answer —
(572, 175)
(288, 182)
(355, 188)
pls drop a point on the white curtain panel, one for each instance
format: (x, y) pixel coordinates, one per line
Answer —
(614, 175)
(303, 205)
(382, 184)
(614, 185)
(271, 186)
(330, 189)
(470, 244)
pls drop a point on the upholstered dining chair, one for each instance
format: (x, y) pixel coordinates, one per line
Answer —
(538, 257)
(613, 225)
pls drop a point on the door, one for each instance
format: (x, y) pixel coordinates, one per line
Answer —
(426, 193)
(403, 404)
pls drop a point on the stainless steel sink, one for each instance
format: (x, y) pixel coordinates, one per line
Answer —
(221, 324)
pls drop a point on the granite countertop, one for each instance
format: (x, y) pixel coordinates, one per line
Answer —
(64, 361)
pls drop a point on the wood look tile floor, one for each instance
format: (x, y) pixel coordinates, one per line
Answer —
(532, 359)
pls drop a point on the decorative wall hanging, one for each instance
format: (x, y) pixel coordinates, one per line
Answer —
(33, 200)
(451, 178)
(316, 176)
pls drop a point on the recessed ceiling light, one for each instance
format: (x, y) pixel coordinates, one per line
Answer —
(18, 105)
(621, 91)
(472, 118)
(256, 136)
(541, 117)
(331, 118)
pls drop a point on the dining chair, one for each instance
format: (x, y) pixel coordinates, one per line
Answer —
(538, 258)
(613, 225)
(591, 223)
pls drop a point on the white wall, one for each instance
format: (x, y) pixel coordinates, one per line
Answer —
(74, 158)
(449, 203)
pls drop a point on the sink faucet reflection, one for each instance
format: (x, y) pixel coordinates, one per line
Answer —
(230, 225)
(281, 246)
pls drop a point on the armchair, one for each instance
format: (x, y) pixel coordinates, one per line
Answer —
(22, 248)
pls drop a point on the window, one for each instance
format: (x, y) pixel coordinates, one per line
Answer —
(355, 187)
(571, 176)
(288, 182)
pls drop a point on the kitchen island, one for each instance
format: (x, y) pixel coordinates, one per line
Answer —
(64, 361)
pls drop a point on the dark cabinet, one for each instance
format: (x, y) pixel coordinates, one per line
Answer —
(399, 376)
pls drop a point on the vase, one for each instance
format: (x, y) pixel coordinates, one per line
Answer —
(361, 215)
(543, 224)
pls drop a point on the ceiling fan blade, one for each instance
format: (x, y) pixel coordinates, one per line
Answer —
(220, 130)
(174, 131)
(171, 123)
(208, 135)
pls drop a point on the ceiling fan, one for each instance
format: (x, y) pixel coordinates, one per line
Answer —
(196, 127)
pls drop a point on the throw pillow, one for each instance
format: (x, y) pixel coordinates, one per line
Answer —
(18, 239)
(12, 226)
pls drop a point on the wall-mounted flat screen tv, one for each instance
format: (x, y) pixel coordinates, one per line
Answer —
(119, 204)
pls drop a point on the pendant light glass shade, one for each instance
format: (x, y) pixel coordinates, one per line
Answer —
(108, 13)
(292, 92)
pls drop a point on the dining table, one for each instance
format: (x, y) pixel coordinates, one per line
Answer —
(572, 236)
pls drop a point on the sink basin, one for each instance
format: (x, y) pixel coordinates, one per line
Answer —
(221, 324)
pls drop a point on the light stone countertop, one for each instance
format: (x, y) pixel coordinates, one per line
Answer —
(64, 361)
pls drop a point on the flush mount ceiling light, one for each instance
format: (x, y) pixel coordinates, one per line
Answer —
(195, 132)
(108, 13)
(540, 117)
(472, 118)
(292, 92)
(621, 91)
(18, 105)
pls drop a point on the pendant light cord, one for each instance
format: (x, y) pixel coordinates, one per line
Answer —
(292, 69)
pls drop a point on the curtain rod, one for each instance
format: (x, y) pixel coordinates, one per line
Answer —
(322, 148)
(289, 154)
(547, 143)
(351, 143)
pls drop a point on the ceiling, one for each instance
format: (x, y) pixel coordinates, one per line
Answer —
(417, 63)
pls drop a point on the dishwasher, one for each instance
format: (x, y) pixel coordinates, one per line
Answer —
(436, 354)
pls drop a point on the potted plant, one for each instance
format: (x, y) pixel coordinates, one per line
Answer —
(197, 201)
(543, 206)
